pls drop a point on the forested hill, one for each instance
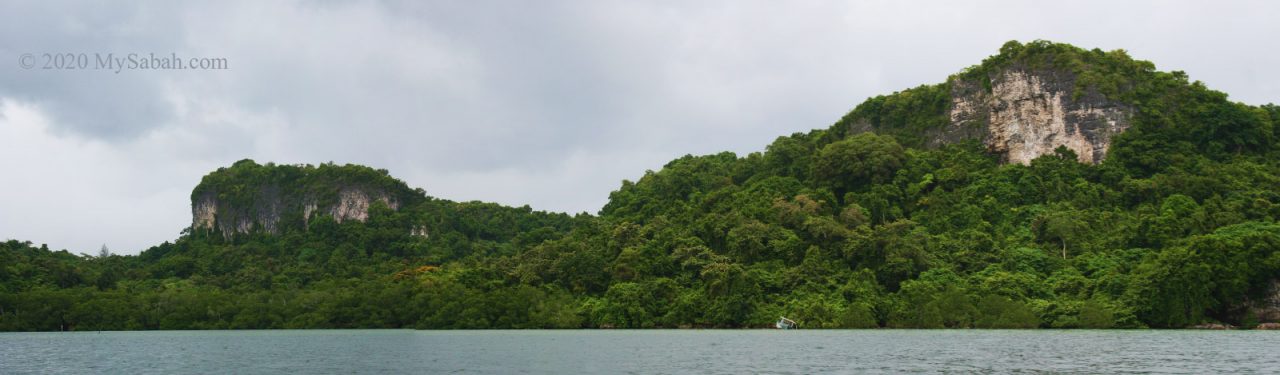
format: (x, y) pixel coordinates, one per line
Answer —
(1049, 186)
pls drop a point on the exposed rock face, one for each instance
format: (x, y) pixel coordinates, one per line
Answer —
(1212, 326)
(1029, 113)
(1268, 310)
(1025, 113)
(204, 212)
(266, 210)
(353, 204)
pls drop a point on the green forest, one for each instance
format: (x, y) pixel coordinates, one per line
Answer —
(831, 228)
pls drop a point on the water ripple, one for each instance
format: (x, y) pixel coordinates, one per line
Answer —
(640, 352)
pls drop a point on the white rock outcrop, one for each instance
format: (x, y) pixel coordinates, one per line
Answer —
(265, 211)
(1029, 113)
(353, 204)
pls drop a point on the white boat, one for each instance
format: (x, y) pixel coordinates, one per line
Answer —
(784, 323)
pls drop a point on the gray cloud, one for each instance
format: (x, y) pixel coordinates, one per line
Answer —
(549, 103)
(99, 105)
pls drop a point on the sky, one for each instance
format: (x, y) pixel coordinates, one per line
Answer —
(545, 103)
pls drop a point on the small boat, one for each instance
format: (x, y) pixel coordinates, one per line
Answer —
(784, 323)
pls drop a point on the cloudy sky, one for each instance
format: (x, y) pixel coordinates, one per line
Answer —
(544, 103)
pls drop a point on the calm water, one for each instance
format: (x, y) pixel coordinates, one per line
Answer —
(649, 351)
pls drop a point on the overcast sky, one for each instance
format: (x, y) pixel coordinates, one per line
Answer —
(544, 103)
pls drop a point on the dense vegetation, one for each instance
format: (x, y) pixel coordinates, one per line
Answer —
(1177, 227)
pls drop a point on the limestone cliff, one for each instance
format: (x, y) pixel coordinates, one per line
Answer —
(264, 213)
(1021, 104)
(248, 197)
(1029, 112)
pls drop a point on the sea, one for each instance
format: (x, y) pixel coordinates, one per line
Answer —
(641, 352)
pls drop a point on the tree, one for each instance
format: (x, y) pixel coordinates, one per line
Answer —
(858, 161)
(1063, 226)
(1001, 312)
